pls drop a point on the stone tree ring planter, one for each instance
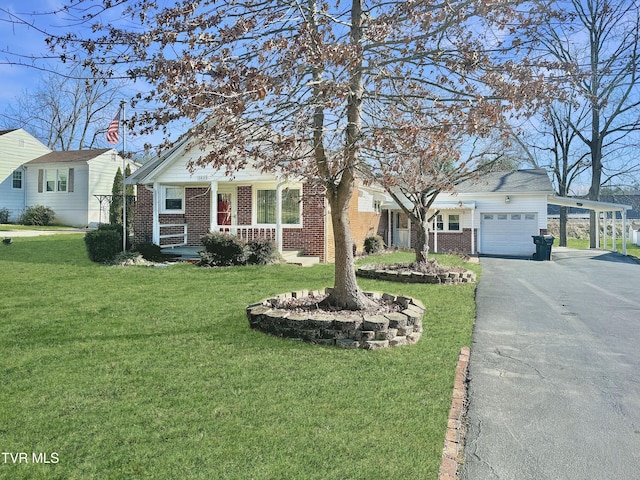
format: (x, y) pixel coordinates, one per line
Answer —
(398, 321)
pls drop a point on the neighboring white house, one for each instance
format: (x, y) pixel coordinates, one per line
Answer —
(16, 148)
(71, 184)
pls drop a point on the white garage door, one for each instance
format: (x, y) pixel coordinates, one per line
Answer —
(508, 233)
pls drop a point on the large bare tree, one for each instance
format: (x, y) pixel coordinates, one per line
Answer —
(315, 83)
(599, 42)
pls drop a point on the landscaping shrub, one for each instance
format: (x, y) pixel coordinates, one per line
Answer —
(104, 243)
(4, 215)
(37, 215)
(262, 252)
(373, 244)
(222, 249)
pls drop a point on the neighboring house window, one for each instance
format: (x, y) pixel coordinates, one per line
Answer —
(173, 199)
(50, 175)
(377, 206)
(266, 206)
(439, 223)
(53, 180)
(62, 181)
(454, 222)
(17, 179)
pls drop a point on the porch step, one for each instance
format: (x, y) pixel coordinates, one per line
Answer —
(295, 257)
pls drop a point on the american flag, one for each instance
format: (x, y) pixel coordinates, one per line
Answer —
(112, 132)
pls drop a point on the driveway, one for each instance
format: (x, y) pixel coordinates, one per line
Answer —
(555, 370)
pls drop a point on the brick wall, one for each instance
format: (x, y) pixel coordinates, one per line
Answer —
(311, 237)
(244, 205)
(197, 214)
(143, 217)
(453, 241)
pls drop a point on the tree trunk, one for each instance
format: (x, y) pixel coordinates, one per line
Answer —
(346, 294)
(563, 227)
(422, 242)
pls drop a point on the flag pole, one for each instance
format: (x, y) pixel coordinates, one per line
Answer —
(124, 176)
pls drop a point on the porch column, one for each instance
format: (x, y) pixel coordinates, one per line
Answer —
(597, 229)
(624, 231)
(155, 236)
(605, 222)
(388, 228)
(473, 228)
(435, 234)
(213, 224)
(614, 234)
(279, 216)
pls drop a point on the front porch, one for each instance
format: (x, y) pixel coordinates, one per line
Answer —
(290, 215)
(453, 228)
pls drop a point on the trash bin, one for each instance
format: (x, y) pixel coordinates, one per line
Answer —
(543, 247)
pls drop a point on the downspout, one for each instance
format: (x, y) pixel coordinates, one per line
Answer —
(155, 237)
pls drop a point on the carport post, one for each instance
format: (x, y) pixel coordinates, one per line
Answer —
(614, 216)
(624, 231)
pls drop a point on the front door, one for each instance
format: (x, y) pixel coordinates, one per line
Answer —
(225, 208)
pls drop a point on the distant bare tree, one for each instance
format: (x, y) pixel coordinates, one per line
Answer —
(66, 112)
(600, 43)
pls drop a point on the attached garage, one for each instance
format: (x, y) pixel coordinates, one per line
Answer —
(508, 233)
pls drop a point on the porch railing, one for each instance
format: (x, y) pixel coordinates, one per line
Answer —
(182, 235)
(248, 232)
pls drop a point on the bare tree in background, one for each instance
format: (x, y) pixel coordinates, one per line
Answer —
(307, 87)
(600, 42)
(66, 111)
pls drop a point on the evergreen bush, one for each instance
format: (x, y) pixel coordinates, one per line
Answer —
(37, 215)
(262, 252)
(373, 244)
(4, 215)
(222, 249)
(104, 244)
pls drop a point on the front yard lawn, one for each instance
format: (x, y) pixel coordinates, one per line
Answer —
(144, 372)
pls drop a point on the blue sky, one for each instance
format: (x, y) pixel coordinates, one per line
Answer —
(19, 42)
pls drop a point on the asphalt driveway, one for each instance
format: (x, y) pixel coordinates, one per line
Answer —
(555, 370)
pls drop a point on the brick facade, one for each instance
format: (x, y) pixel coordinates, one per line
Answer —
(310, 239)
(143, 218)
(447, 241)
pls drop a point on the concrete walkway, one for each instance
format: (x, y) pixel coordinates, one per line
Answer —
(37, 233)
(555, 370)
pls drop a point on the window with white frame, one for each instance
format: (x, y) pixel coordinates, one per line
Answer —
(17, 180)
(54, 180)
(266, 206)
(173, 200)
(448, 223)
(454, 222)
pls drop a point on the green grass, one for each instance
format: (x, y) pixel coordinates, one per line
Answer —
(145, 372)
(583, 244)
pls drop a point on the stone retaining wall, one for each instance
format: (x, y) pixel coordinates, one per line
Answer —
(417, 277)
(342, 329)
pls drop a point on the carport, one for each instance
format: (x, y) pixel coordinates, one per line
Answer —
(599, 208)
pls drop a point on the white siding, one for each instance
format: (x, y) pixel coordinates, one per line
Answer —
(16, 148)
(70, 207)
(101, 173)
(178, 172)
